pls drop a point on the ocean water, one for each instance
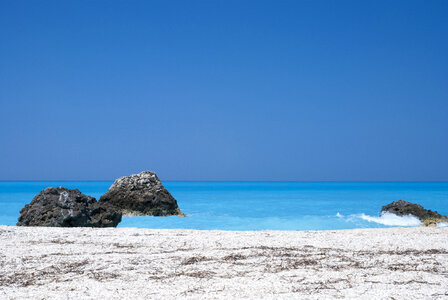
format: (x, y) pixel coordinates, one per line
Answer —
(260, 205)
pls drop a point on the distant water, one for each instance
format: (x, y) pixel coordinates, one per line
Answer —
(260, 205)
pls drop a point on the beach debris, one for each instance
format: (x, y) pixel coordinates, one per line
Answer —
(404, 208)
(61, 207)
(142, 195)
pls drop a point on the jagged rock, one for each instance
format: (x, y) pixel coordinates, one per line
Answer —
(402, 208)
(104, 216)
(61, 207)
(141, 194)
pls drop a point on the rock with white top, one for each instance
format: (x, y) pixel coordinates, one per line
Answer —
(141, 194)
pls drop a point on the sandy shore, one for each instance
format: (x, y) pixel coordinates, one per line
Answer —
(75, 263)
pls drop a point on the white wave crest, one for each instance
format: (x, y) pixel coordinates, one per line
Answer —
(390, 219)
(442, 224)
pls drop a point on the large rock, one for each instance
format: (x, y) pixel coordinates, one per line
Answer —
(403, 208)
(141, 194)
(61, 207)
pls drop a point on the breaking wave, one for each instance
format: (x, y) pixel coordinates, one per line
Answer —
(390, 219)
(387, 219)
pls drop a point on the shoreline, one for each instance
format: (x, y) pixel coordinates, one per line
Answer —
(115, 263)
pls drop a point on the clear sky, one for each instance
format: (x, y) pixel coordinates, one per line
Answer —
(224, 90)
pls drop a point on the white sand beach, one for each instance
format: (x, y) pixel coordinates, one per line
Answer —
(129, 263)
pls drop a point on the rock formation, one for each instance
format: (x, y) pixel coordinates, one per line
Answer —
(426, 216)
(61, 207)
(141, 194)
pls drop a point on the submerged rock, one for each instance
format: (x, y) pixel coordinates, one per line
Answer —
(141, 194)
(61, 207)
(403, 208)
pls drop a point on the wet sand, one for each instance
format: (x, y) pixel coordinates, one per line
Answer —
(86, 263)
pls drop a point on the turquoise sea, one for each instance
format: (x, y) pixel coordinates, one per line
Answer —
(259, 205)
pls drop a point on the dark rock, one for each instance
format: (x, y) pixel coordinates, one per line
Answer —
(141, 194)
(104, 216)
(402, 208)
(61, 207)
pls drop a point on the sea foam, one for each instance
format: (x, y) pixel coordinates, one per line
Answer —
(390, 219)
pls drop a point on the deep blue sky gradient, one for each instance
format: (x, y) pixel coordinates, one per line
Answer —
(224, 90)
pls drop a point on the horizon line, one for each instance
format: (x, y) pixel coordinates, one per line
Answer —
(298, 181)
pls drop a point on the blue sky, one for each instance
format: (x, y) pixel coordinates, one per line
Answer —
(224, 90)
